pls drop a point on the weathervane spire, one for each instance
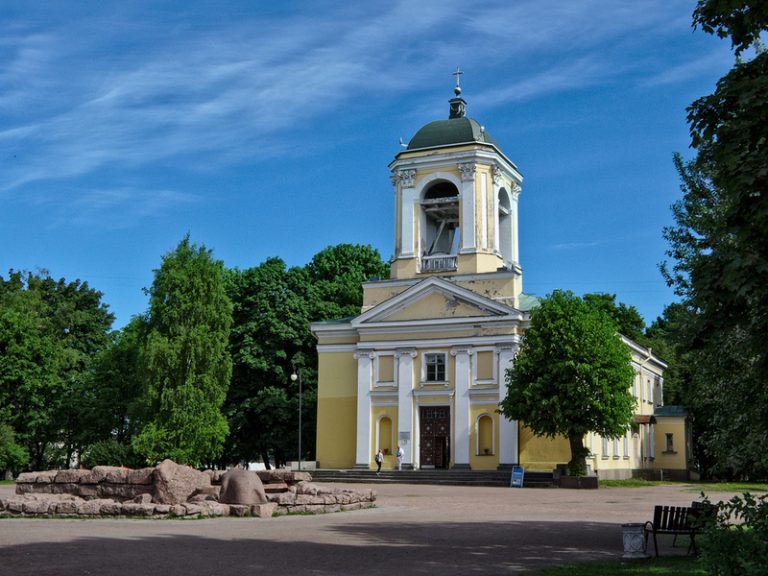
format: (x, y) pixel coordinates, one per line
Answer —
(457, 102)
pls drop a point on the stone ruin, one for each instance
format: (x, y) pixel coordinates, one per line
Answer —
(173, 490)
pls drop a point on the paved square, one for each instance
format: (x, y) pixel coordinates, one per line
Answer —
(415, 529)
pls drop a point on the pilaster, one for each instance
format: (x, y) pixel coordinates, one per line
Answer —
(405, 430)
(509, 450)
(363, 454)
(462, 376)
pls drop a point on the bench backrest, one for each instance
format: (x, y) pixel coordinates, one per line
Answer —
(672, 518)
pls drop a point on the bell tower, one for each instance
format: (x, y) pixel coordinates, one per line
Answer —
(456, 198)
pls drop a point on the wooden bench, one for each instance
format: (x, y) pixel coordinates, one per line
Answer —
(675, 520)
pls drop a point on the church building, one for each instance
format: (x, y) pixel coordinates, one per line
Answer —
(423, 365)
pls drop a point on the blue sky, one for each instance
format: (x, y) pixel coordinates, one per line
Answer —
(265, 129)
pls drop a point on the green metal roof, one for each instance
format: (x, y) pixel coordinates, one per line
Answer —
(670, 410)
(528, 302)
(450, 132)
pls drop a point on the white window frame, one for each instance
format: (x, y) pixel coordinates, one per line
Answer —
(424, 357)
(604, 448)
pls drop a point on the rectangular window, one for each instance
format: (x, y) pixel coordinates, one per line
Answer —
(616, 447)
(605, 448)
(435, 367)
(670, 442)
(485, 365)
(626, 444)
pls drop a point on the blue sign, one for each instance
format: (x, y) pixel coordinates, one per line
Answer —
(517, 477)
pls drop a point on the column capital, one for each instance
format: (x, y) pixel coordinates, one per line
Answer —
(405, 177)
(456, 350)
(496, 174)
(405, 352)
(364, 354)
(467, 170)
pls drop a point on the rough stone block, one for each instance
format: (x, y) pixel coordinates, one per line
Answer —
(242, 487)
(87, 491)
(332, 508)
(221, 509)
(24, 488)
(174, 484)
(355, 506)
(133, 509)
(121, 492)
(142, 498)
(63, 488)
(238, 509)
(111, 508)
(176, 510)
(193, 509)
(141, 476)
(2, 505)
(70, 476)
(40, 507)
(163, 509)
(25, 477)
(66, 507)
(264, 510)
(15, 505)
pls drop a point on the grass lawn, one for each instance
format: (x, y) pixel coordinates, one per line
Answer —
(677, 566)
(706, 487)
(7, 482)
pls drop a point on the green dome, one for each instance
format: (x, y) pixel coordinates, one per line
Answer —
(449, 133)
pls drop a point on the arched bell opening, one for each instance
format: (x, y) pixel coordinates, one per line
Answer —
(440, 226)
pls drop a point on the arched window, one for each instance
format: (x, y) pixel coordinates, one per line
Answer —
(385, 435)
(505, 226)
(485, 444)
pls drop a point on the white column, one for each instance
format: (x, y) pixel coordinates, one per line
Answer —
(508, 439)
(407, 224)
(363, 454)
(405, 431)
(515, 244)
(467, 217)
(462, 377)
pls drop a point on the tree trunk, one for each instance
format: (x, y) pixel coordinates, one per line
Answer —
(578, 464)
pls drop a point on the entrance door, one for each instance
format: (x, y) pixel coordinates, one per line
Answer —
(435, 437)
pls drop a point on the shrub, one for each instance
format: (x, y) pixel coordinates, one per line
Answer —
(735, 540)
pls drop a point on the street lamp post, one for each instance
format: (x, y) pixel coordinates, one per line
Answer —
(294, 377)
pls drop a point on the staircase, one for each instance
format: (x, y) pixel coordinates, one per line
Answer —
(444, 477)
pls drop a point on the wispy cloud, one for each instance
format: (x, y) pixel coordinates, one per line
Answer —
(219, 93)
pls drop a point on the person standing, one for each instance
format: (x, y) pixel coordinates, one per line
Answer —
(379, 458)
(399, 457)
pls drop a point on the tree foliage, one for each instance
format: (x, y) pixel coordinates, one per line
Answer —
(336, 274)
(270, 331)
(719, 250)
(572, 375)
(740, 20)
(185, 358)
(50, 332)
(627, 319)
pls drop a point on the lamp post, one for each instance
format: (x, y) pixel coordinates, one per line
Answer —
(297, 376)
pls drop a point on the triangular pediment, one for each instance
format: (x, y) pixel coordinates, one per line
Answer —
(434, 299)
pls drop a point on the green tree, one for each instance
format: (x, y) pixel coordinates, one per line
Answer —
(337, 274)
(50, 332)
(628, 320)
(13, 457)
(270, 332)
(185, 358)
(114, 403)
(719, 248)
(572, 375)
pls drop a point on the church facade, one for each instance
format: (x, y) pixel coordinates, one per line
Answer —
(423, 365)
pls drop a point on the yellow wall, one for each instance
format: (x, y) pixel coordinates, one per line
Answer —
(542, 453)
(664, 460)
(436, 305)
(377, 413)
(482, 461)
(336, 410)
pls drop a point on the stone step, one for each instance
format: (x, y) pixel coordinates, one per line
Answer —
(444, 477)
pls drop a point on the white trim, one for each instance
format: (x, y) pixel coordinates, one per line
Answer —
(450, 392)
(423, 365)
(484, 209)
(425, 288)
(436, 160)
(349, 348)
